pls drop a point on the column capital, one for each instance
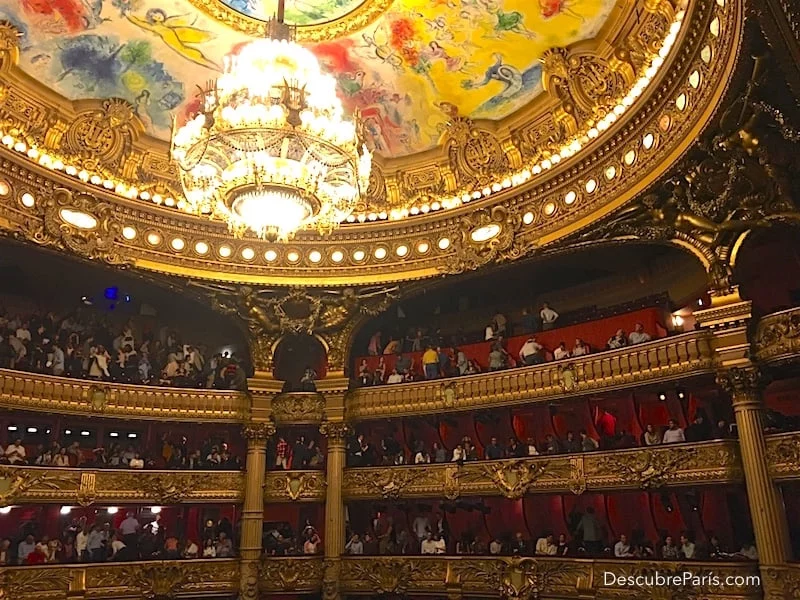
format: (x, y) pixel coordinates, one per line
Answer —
(258, 432)
(335, 431)
(741, 381)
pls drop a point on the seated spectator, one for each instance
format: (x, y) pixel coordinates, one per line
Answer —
(438, 453)
(515, 449)
(61, 459)
(430, 363)
(354, 546)
(312, 543)
(380, 371)
(581, 348)
(519, 547)
(15, 453)
(493, 451)
(316, 459)
(562, 548)
(546, 546)
(307, 380)
(497, 358)
(588, 444)
(622, 549)
(687, 547)
(462, 363)
(548, 316)
(721, 431)
(403, 364)
(531, 449)
(470, 452)
(25, 548)
(552, 445)
(190, 550)
(394, 377)
(209, 549)
(638, 335)
(224, 546)
(433, 544)
(699, 430)
(458, 454)
(531, 352)
(495, 547)
(643, 550)
(370, 545)
(561, 352)
(472, 368)
(673, 434)
(669, 551)
(651, 437)
(572, 445)
(618, 340)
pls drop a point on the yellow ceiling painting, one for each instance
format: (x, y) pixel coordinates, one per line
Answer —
(480, 55)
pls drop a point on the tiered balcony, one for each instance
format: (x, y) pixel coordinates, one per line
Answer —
(715, 462)
(777, 337)
(662, 360)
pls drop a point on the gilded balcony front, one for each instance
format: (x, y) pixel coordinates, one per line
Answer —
(664, 359)
(295, 486)
(777, 337)
(296, 574)
(514, 577)
(29, 485)
(32, 391)
(642, 468)
(151, 579)
(783, 456)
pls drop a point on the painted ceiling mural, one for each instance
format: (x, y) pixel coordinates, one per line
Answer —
(480, 55)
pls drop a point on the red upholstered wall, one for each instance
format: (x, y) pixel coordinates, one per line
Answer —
(595, 333)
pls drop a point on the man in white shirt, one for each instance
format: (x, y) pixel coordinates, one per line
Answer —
(430, 545)
(639, 335)
(548, 316)
(674, 434)
(545, 546)
(622, 549)
(355, 545)
(137, 462)
(495, 547)
(15, 453)
(687, 547)
(561, 352)
(23, 334)
(421, 526)
(532, 450)
(531, 352)
(129, 528)
(394, 377)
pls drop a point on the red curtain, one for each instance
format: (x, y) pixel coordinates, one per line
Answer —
(506, 516)
(629, 512)
(671, 521)
(545, 513)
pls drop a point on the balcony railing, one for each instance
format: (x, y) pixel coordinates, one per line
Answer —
(641, 468)
(296, 574)
(783, 456)
(660, 360)
(777, 336)
(152, 579)
(28, 485)
(30, 391)
(509, 577)
(295, 486)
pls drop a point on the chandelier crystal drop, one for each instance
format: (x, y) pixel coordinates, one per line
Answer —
(270, 150)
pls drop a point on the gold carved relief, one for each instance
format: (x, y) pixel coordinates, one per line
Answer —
(783, 455)
(387, 483)
(778, 335)
(15, 482)
(394, 575)
(276, 574)
(165, 580)
(298, 408)
(295, 485)
(645, 468)
(514, 478)
(29, 583)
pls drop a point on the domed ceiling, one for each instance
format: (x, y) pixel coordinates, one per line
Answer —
(396, 62)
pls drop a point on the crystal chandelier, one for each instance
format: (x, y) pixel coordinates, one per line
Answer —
(270, 150)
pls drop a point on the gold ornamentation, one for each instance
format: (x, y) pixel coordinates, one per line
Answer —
(394, 575)
(16, 584)
(778, 335)
(87, 492)
(96, 243)
(98, 397)
(513, 478)
(278, 574)
(335, 431)
(295, 485)
(170, 488)
(258, 432)
(577, 475)
(783, 455)
(648, 469)
(298, 408)
(781, 583)
(741, 382)
(165, 580)
(332, 575)
(15, 482)
(389, 483)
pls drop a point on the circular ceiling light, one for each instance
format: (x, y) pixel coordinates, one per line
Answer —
(177, 244)
(337, 256)
(527, 218)
(153, 238)
(225, 251)
(423, 247)
(293, 256)
(201, 248)
(401, 251)
(485, 233)
(444, 243)
(28, 200)
(248, 253)
(315, 256)
(128, 232)
(4, 188)
(270, 255)
(380, 252)
(359, 255)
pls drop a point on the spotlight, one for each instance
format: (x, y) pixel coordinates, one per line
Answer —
(85, 433)
(5, 510)
(155, 509)
(662, 397)
(114, 434)
(681, 394)
(12, 427)
(65, 510)
(31, 430)
(132, 435)
(112, 510)
(700, 302)
(68, 432)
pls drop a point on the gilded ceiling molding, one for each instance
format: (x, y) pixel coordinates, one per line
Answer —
(29, 391)
(676, 357)
(780, 22)
(709, 463)
(550, 203)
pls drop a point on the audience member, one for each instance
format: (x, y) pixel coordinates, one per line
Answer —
(638, 335)
(673, 434)
(548, 316)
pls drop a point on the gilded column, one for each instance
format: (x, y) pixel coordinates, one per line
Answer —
(745, 386)
(336, 432)
(256, 435)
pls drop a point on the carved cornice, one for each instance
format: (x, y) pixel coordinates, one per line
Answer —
(295, 486)
(675, 357)
(85, 487)
(162, 580)
(298, 408)
(28, 391)
(335, 431)
(645, 468)
(742, 383)
(777, 337)
(783, 456)
(514, 578)
(550, 202)
(277, 574)
(258, 432)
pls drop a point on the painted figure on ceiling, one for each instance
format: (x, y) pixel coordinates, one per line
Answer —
(177, 32)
